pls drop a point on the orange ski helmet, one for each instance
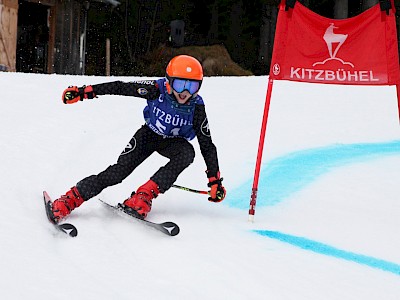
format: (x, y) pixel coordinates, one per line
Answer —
(183, 67)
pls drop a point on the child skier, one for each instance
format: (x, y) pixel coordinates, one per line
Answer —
(174, 115)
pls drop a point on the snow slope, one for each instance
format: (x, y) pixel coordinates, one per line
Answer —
(327, 216)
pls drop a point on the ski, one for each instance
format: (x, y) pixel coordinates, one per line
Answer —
(66, 228)
(168, 228)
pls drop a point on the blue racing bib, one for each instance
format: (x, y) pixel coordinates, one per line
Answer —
(166, 117)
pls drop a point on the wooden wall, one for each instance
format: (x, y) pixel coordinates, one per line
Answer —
(66, 25)
(8, 33)
(68, 29)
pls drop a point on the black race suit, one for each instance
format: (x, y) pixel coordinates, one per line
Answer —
(154, 136)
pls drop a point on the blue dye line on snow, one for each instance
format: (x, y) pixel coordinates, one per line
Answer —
(288, 174)
(324, 249)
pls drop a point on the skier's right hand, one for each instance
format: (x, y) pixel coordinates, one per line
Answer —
(74, 94)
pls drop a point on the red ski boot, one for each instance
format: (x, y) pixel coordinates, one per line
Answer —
(141, 201)
(63, 206)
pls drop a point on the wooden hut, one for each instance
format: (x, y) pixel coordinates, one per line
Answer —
(44, 36)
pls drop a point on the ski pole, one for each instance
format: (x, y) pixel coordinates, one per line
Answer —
(190, 190)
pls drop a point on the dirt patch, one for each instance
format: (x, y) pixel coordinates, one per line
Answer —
(215, 60)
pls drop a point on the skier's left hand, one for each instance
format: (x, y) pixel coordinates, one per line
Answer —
(217, 192)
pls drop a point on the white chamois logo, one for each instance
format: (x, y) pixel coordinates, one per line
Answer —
(331, 39)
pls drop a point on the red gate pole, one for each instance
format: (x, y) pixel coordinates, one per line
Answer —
(398, 99)
(254, 190)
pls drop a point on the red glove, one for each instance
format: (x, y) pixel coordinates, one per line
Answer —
(74, 94)
(217, 192)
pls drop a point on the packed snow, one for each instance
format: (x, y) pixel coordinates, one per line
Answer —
(328, 208)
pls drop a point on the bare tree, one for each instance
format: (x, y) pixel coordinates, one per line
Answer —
(368, 4)
(212, 36)
(267, 33)
(341, 10)
(236, 29)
